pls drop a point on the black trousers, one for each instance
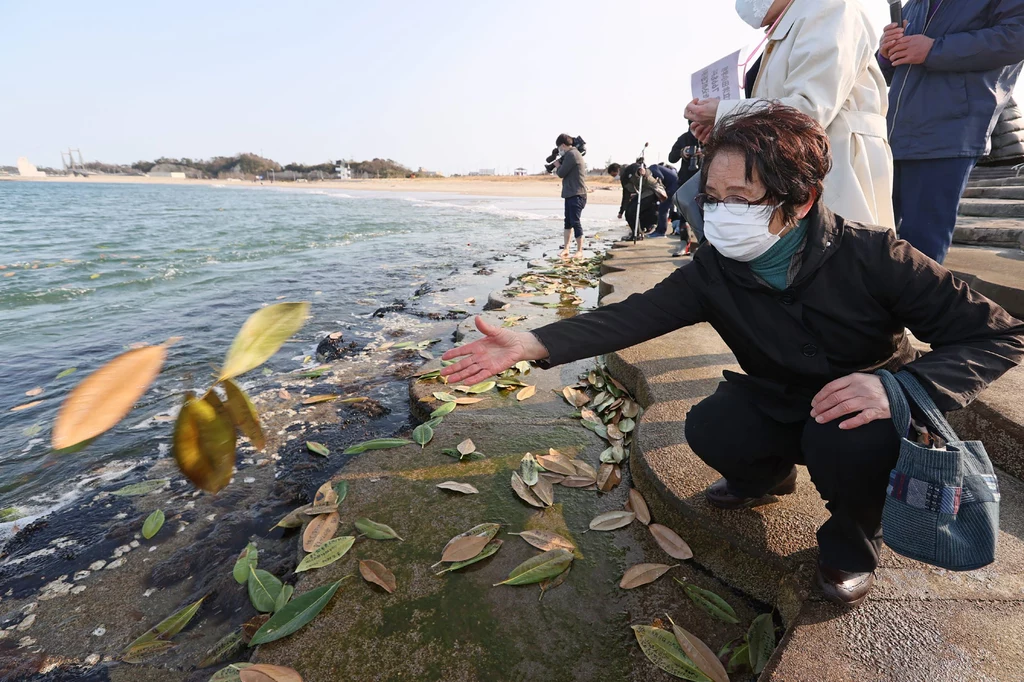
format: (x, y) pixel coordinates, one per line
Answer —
(574, 213)
(648, 212)
(850, 469)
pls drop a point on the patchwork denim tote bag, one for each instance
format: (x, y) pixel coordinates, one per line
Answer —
(942, 504)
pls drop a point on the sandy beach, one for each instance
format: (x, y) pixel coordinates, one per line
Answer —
(604, 190)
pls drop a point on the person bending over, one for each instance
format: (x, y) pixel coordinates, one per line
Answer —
(670, 181)
(571, 167)
(811, 305)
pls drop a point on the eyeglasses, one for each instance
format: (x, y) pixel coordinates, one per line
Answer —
(734, 204)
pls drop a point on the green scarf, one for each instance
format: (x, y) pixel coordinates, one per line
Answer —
(773, 265)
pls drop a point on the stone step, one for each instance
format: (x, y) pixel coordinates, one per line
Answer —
(1001, 232)
(998, 182)
(1013, 192)
(994, 272)
(992, 208)
(917, 612)
(994, 173)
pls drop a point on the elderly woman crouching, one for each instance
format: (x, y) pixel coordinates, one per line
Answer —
(811, 305)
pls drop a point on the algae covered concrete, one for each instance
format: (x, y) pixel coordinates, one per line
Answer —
(458, 626)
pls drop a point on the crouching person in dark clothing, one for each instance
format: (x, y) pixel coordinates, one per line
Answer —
(573, 171)
(630, 176)
(811, 305)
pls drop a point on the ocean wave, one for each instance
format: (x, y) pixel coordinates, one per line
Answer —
(489, 209)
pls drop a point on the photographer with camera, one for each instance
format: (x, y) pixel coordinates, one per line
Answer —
(689, 153)
(629, 177)
(573, 170)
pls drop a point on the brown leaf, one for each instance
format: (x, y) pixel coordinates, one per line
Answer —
(321, 529)
(577, 482)
(464, 549)
(545, 540)
(643, 574)
(317, 509)
(319, 399)
(553, 479)
(612, 520)
(585, 470)
(525, 393)
(669, 541)
(264, 672)
(28, 406)
(251, 626)
(106, 396)
(34, 392)
(524, 492)
(551, 583)
(608, 477)
(638, 504)
(700, 653)
(325, 495)
(543, 490)
(283, 394)
(464, 488)
(614, 434)
(468, 401)
(471, 301)
(466, 447)
(558, 463)
(377, 573)
(589, 415)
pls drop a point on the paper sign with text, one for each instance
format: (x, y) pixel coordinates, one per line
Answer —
(719, 80)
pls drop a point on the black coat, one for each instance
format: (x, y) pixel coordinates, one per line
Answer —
(846, 311)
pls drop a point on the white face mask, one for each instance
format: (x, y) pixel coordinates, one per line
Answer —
(741, 237)
(753, 11)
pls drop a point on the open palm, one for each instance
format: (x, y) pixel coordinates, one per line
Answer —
(497, 351)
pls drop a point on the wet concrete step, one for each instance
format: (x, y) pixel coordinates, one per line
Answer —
(1002, 232)
(992, 208)
(995, 272)
(917, 612)
(1012, 192)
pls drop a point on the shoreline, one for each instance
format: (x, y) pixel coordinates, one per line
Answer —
(604, 190)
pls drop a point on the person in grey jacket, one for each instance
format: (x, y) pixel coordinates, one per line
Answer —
(573, 170)
(951, 68)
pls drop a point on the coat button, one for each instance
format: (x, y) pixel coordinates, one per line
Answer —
(809, 350)
(786, 299)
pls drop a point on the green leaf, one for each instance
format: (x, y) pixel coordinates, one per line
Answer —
(262, 335)
(434, 423)
(375, 531)
(227, 647)
(204, 442)
(243, 414)
(528, 469)
(447, 408)
(282, 599)
(169, 626)
(341, 490)
(539, 568)
(444, 397)
(429, 375)
(482, 387)
(377, 444)
(245, 563)
(613, 455)
(143, 488)
(154, 522)
(710, 602)
(264, 589)
(326, 554)
(68, 372)
(489, 550)
(137, 653)
(230, 673)
(423, 434)
(761, 642)
(317, 448)
(523, 366)
(599, 429)
(626, 425)
(740, 658)
(662, 649)
(296, 614)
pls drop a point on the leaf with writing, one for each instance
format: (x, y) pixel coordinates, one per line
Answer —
(670, 542)
(326, 554)
(319, 530)
(612, 520)
(700, 653)
(761, 640)
(528, 469)
(662, 649)
(710, 602)
(464, 549)
(489, 550)
(643, 574)
(230, 673)
(539, 568)
(378, 574)
(226, 648)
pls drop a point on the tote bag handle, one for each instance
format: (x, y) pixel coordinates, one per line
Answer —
(903, 384)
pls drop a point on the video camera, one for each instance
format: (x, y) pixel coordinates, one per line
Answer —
(696, 153)
(578, 142)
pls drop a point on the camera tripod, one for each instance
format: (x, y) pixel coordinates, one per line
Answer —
(641, 165)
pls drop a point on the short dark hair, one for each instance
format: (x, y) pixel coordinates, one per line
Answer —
(564, 138)
(614, 168)
(789, 149)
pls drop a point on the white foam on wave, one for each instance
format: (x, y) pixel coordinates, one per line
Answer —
(489, 209)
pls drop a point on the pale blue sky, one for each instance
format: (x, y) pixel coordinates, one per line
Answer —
(449, 85)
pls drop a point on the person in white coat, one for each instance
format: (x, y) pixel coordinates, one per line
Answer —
(820, 59)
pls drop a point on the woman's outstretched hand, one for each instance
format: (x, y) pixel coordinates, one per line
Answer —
(499, 350)
(861, 393)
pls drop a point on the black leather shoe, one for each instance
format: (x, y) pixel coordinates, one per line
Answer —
(719, 495)
(843, 587)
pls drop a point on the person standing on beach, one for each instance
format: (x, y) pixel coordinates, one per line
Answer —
(573, 171)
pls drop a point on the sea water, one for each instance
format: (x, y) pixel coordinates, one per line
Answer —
(89, 270)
